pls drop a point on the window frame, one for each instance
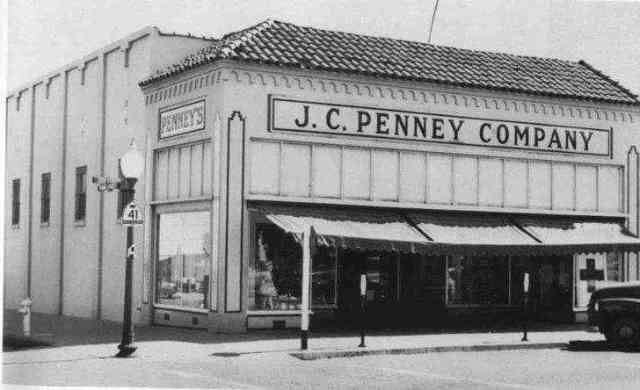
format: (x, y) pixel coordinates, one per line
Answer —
(177, 208)
(80, 198)
(45, 198)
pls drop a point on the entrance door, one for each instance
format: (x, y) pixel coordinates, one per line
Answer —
(422, 292)
(551, 284)
(382, 295)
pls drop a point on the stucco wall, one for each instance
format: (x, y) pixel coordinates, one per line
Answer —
(97, 101)
(48, 159)
(17, 167)
(359, 170)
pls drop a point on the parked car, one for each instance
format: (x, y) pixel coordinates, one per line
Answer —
(616, 312)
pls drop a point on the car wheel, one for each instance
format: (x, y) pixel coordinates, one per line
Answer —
(624, 331)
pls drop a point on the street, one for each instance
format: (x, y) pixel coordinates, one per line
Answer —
(591, 368)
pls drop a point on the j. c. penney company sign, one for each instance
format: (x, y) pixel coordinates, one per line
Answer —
(325, 118)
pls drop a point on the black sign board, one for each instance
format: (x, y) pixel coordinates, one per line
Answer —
(591, 273)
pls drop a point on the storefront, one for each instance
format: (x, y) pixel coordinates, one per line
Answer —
(443, 175)
(423, 268)
(443, 195)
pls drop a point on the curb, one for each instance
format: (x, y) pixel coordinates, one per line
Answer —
(315, 355)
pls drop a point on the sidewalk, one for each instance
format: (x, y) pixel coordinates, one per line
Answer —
(74, 338)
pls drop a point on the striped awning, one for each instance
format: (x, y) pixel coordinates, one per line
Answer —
(472, 233)
(349, 228)
(451, 232)
(580, 235)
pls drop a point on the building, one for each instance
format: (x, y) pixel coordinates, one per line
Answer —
(442, 174)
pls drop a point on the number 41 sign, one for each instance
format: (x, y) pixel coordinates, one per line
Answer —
(132, 215)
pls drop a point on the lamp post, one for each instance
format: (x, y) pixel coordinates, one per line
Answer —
(131, 167)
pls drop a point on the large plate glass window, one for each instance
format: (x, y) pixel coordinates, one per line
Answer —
(184, 259)
(275, 272)
(478, 280)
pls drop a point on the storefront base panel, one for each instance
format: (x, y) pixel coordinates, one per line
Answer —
(581, 317)
(273, 322)
(180, 318)
(227, 322)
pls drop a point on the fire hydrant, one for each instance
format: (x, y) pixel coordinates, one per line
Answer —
(25, 310)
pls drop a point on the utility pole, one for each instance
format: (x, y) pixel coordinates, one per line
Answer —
(433, 19)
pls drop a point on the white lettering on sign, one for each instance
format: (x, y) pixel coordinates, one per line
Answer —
(183, 119)
(132, 215)
(333, 119)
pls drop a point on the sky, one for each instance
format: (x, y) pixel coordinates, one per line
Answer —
(39, 36)
(45, 34)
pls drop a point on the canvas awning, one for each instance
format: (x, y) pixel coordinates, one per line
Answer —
(472, 233)
(451, 233)
(353, 229)
(565, 235)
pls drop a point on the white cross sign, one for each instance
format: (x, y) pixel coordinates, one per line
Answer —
(132, 215)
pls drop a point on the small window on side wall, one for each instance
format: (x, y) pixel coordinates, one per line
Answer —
(81, 194)
(45, 198)
(15, 202)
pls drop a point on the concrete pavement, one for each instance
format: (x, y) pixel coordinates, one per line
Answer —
(82, 354)
(74, 338)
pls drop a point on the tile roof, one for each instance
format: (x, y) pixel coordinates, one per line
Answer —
(284, 44)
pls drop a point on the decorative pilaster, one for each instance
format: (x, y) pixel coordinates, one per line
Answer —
(234, 212)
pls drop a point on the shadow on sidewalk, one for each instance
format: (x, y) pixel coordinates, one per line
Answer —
(600, 346)
(58, 331)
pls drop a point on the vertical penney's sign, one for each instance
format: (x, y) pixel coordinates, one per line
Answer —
(182, 119)
(325, 118)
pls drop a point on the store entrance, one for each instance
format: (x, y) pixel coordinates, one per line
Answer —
(551, 281)
(403, 290)
(381, 270)
(551, 298)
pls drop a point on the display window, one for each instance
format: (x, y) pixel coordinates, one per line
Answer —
(184, 259)
(275, 272)
(382, 277)
(478, 280)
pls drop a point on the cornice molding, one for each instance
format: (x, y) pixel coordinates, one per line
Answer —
(383, 89)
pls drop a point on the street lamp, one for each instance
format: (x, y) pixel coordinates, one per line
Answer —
(131, 167)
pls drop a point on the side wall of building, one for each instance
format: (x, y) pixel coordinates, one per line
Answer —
(85, 114)
(18, 151)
